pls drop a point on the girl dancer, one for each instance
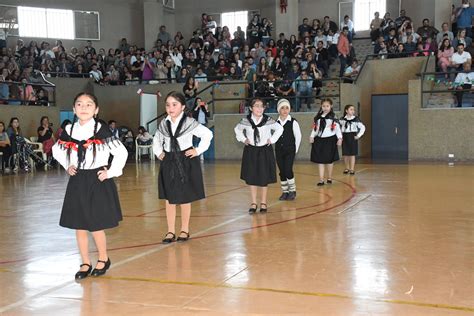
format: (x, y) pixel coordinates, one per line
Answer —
(180, 179)
(325, 137)
(258, 160)
(352, 130)
(286, 148)
(91, 202)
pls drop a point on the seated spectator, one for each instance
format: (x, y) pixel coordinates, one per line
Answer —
(27, 93)
(278, 68)
(46, 135)
(444, 32)
(317, 75)
(320, 38)
(285, 88)
(410, 45)
(113, 128)
(143, 137)
(445, 53)
(42, 98)
(462, 38)
(200, 76)
(406, 30)
(5, 148)
(303, 87)
(147, 69)
(96, 74)
(352, 71)
(420, 51)
(283, 44)
(382, 51)
(427, 30)
(460, 58)
(463, 82)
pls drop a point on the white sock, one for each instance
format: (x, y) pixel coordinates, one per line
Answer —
(291, 185)
(284, 186)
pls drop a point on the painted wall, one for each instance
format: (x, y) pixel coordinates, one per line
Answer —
(118, 18)
(450, 132)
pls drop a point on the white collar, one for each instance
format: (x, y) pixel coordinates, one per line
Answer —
(88, 125)
(257, 120)
(349, 117)
(178, 119)
(288, 118)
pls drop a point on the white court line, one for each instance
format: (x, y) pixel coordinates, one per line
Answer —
(118, 264)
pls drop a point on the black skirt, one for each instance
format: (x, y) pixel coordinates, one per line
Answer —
(258, 166)
(175, 188)
(90, 204)
(324, 150)
(349, 144)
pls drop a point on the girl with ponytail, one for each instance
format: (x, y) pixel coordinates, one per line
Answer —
(91, 203)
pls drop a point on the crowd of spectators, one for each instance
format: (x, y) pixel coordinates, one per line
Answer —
(213, 53)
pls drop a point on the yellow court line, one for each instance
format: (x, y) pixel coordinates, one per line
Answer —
(341, 296)
(4, 270)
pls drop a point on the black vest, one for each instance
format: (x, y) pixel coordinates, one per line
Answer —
(287, 139)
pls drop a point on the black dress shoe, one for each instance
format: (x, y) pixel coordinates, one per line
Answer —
(167, 239)
(98, 272)
(346, 171)
(283, 196)
(252, 209)
(320, 183)
(83, 274)
(329, 181)
(181, 239)
(291, 196)
(352, 172)
(263, 209)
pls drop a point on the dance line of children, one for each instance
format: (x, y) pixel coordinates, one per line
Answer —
(92, 204)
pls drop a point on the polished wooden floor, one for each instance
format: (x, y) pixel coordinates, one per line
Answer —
(392, 240)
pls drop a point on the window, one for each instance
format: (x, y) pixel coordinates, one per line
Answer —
(234, 19)
(364, 11)
(46, 23)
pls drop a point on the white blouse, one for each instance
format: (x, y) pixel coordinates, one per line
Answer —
(243, 132)
(84, 132)
(185, 141)
(355, 127)
(328, 131)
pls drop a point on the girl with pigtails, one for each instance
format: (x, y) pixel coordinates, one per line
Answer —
(91, 203)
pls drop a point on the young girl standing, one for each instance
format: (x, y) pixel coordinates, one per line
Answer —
(91, 202)
(352, 130)
(286, 148)
(325, 137)
(180, 179)
(258, 160)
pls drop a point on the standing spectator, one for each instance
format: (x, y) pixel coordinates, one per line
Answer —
(343, 49)
(329, 25)
(375, 27)
(190, 91)
(4, 87)
(266, 30)
(113, 129)
(427, 30)
(240, 33)
(303, 28)
(303, 86)
(124, 46)
(254, 31)
(163, 35)
(464, 16)
(401, 19)
(211, 24)
(89, 49)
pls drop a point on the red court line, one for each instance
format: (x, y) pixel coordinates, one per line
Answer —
(211, 195)
(353, 192)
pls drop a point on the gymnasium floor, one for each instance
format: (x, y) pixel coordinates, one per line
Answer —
(393, 240)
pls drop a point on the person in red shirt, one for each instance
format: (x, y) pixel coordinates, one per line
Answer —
(343, 47)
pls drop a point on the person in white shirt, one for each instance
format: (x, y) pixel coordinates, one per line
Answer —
(258, 159)
(286, 149)
(463, 82)
(350, 25)
(96, 74)
(180, 177)
(444, 32)
(351, 72)
(352, 130)
(325, 137)
(460, 58)
(91, 202)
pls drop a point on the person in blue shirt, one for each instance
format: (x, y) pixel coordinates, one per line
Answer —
(303, 86)
(464, 17)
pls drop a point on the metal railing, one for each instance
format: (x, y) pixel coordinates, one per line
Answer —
(22, 98)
